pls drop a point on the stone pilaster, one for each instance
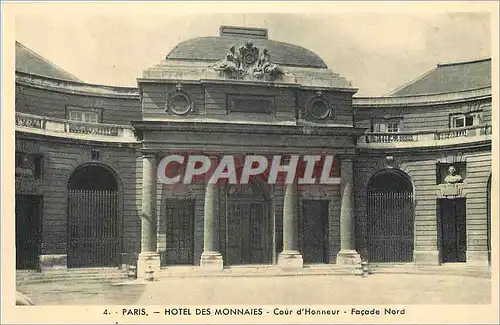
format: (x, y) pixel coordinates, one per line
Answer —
(347, 253)
(148, 256)
(211, 258)
(478, 258)
(430, 257)
(290, 257)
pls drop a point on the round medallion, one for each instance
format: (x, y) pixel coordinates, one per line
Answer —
(249, 58)
(319, 109)
(179, 103)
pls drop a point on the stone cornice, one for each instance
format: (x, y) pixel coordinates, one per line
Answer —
(421, 100)
(185, 126)
(480, 143)
(245, 83)
(77, 88)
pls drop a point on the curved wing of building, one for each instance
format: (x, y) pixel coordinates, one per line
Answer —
(410, 173)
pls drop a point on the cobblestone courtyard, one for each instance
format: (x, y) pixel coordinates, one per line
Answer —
(281, 290)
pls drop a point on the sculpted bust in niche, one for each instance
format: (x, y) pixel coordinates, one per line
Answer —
(452, 176)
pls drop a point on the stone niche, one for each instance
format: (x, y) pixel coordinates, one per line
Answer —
(443, 175)
(450, 179)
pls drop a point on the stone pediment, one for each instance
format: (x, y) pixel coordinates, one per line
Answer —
(248, 62)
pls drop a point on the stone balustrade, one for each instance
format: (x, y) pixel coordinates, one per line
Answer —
(470, 131)
(74, 129)
(427, 138)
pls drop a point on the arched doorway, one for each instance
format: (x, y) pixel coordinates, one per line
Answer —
(390, 217)
(249, 227)
(488, 218)
(93, 224)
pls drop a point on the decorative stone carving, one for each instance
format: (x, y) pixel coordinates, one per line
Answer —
(25, 166)
(264, 66)
(248, 60)
(452, 185)
(249, 54)
(453, 177)
(179, 101)
(318, 108)
(231, 64)
(389, 161)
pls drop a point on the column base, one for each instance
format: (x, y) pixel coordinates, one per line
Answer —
(290, 260)
(477, 258)
(426, 257)
(211, 261)
(348, 257)
(146, 260)
(53, 262)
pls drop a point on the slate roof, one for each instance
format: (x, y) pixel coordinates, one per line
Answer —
(215, 48)
(30, 62)
(450, 77)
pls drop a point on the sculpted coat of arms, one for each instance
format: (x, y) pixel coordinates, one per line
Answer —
(248, 59)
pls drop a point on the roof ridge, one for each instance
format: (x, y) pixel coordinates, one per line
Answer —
(425, 74)
(49, 63)
(462, 62)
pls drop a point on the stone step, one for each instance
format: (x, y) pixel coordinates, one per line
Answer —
(196, 271)
(466, 271)
(97, 270)
(89, 274)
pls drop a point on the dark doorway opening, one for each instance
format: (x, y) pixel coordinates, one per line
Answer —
(390, 217)
(93, 223)
(453, 234)
(249, 229)
(314, 231)
(179, 232)
(28, 231)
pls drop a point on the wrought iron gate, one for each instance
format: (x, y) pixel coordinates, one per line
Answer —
(390, 226)
(93, 228)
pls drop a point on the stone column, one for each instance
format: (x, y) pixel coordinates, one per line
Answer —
(290, 257)
(347, 253)
(211, 258)
(148, 256)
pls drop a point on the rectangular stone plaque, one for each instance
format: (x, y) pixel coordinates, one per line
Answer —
(250, 104)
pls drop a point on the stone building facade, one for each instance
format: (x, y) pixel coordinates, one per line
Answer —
(88, 195)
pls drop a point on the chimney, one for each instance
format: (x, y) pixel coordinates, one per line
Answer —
(248, 32)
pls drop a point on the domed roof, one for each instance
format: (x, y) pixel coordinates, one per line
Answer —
(216, 48)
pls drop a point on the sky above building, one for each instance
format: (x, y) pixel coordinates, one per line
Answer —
(377, 51)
